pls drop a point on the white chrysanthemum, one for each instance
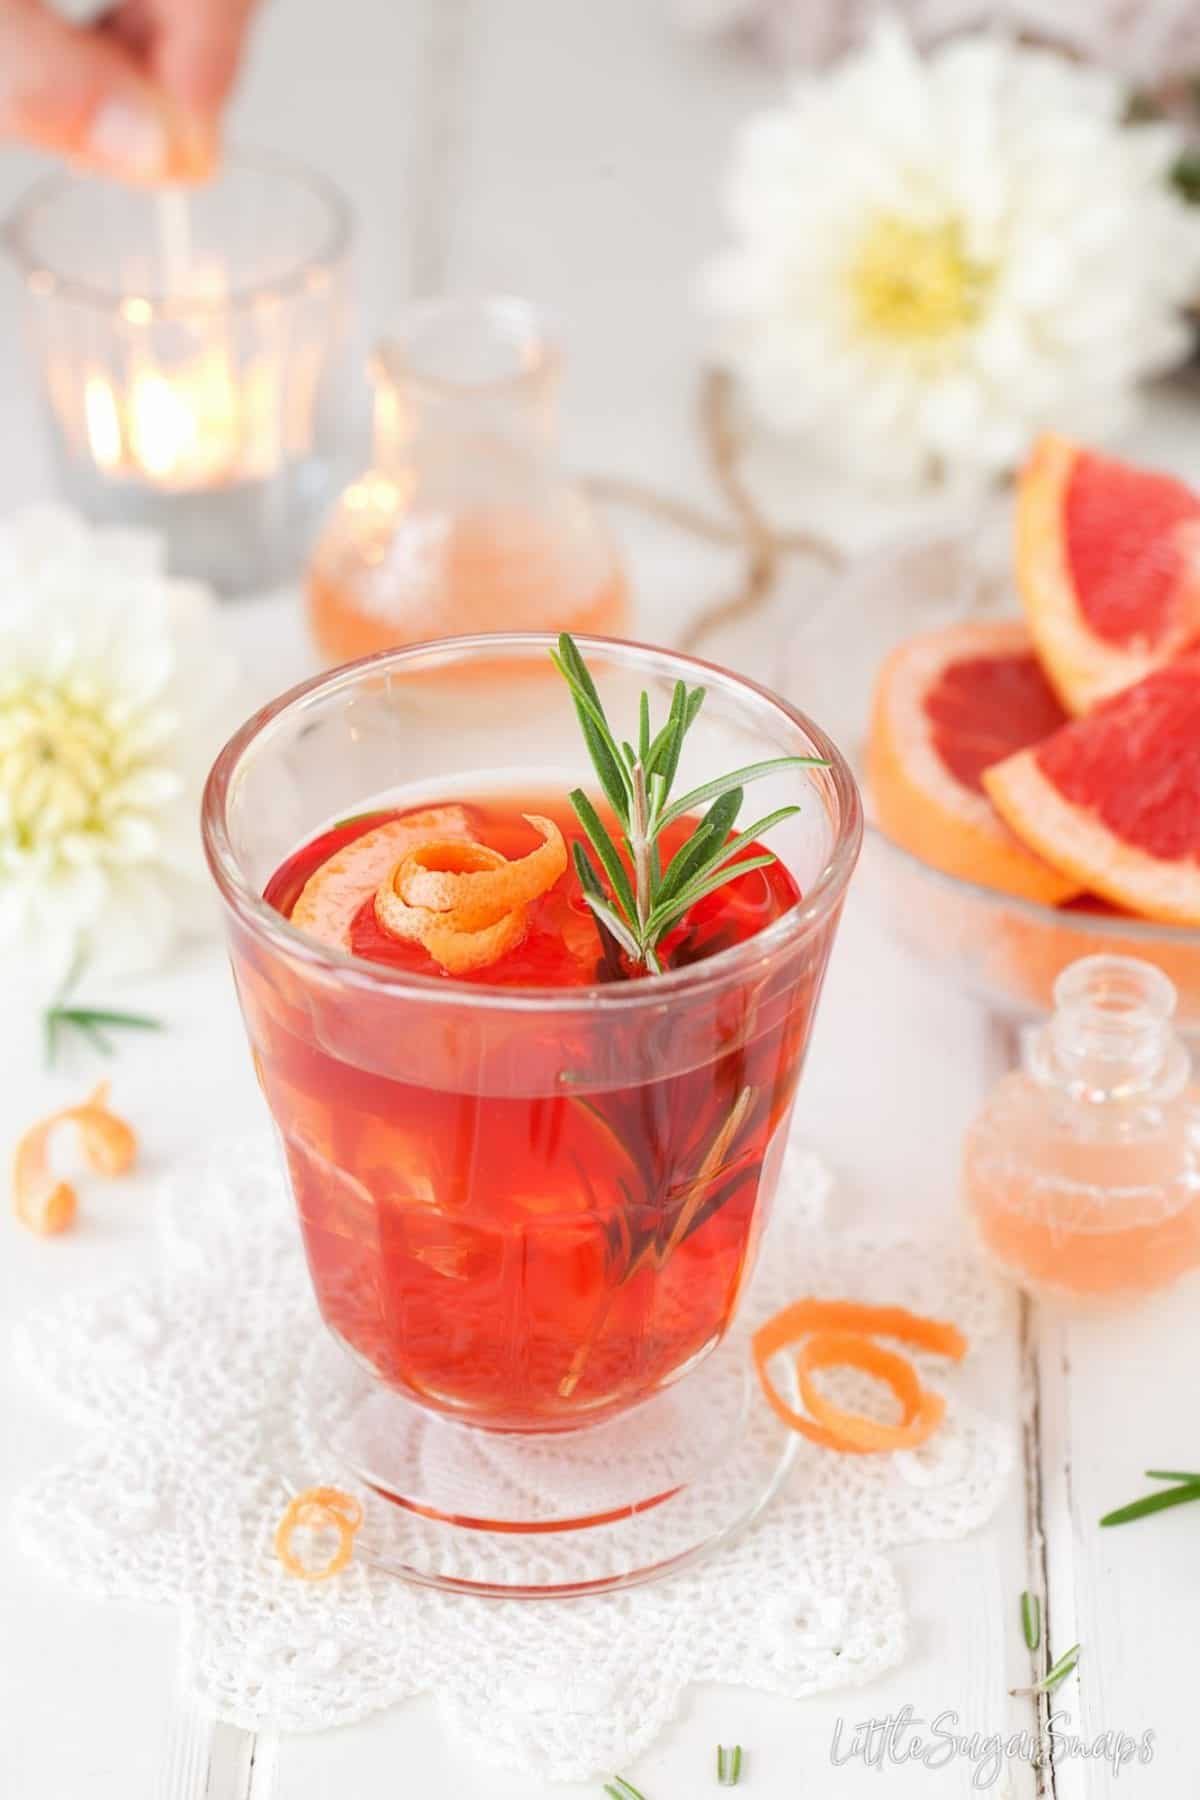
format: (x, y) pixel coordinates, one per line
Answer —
(114, 695)
(937, 258)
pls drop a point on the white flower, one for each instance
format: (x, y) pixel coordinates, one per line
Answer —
(1149, 41)
(937, 258)
(114, 697)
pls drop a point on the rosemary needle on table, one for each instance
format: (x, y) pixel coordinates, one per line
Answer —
(1185, 1487)
(1031, 1619)
(729, 1765)
(1055, 1675)
(89, 1022)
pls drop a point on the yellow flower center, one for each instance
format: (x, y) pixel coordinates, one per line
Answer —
(61, 753)
(915, 281)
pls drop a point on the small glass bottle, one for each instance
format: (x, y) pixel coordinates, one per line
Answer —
(466, 521)
(1082, 1172)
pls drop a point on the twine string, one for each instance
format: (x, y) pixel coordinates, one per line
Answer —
(763, 546)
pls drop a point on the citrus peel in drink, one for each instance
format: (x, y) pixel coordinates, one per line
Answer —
(109, 1145)
(841, 1333)
(1108, 567)
(431, 883)
(404, 919)
(327, 904)
(319, 1509)
(478, 896)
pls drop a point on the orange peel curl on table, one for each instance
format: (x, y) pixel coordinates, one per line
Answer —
(826, 1334)
(47, 1205)
(319, 1509)
(465, 903)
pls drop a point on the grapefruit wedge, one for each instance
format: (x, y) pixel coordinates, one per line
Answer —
(331, 897)
(1108, 567)
(948, 705)
(1113, 799)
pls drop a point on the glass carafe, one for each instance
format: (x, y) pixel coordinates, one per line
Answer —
(466, 520)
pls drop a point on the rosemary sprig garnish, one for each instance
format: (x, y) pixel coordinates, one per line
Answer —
(729, 1765)
(89, 1022)
(1031, 1619)
(1185, 1487)
(642, 899)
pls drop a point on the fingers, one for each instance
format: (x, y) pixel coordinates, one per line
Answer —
(198, 49)
(192, 48)
(81, 94)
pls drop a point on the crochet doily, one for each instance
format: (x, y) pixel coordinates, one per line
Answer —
(194, 1384)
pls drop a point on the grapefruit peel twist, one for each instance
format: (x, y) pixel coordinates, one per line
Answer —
(109, 1145)
(466, 904)
(319, 1509)
(826, 1334)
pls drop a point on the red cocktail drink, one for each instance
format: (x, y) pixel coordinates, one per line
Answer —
(525, 1259)
(531, 1193)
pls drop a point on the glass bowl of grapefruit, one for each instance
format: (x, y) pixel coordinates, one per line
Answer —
(1019, 695)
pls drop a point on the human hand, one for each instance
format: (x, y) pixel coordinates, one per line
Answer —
(137, 94)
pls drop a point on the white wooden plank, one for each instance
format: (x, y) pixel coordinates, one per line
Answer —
(1116, 1401)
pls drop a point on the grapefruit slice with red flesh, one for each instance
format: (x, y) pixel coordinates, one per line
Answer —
(948, 705)
(1108, 566)
(330, 899)
(1113, 799)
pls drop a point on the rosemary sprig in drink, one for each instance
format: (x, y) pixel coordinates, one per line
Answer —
(642, 899)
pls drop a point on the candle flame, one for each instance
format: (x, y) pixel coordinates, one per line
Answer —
(164, 428)
(182, 428)
(103, 421)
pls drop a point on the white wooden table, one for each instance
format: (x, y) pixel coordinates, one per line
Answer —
(570, 152)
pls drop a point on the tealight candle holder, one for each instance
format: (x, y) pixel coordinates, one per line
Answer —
(191, 347)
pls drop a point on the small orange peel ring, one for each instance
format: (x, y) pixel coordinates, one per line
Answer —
(835, 1333)
(109, 1146)
(461, 952)
(458, 949)
(319, 1509)
(922, 1411)
(476, 897)
(465, 903)
(404, 919)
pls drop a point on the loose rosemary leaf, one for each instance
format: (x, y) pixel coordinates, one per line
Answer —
(729, 1765)
(1031, 1619)
(1055, 1676)
(1180, 1495)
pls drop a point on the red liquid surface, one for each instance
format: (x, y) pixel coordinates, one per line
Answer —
(532, 1220)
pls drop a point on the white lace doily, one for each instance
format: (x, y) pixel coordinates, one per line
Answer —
(190, 1382)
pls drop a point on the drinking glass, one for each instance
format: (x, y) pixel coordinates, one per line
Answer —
(529, 1214)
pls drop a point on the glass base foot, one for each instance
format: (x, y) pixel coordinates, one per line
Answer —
(526, 1516)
